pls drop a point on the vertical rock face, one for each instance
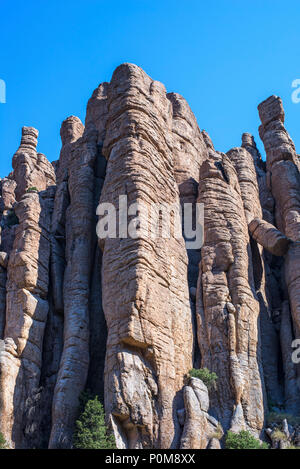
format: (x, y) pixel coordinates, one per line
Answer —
(26, 289)
(227, 307)
(149, 347)
(76, 264)
(284, 181)
(128, 316)
(71, 130)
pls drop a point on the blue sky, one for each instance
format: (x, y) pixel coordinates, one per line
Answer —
(223, 56)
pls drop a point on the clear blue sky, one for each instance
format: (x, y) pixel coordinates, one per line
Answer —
(223, 56)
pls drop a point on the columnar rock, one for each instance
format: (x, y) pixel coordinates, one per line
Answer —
(79, 231)
(292, 398)
(227, 307)
(149, 346)
(265, 195)
(282, 166)
(27, 290)
(252, 181)
(284, 181)
(128, 315)
(96, 117)
(3, 277)
(200, 428)
(269, 237)
(77, 265)
(247, 177)
(71, 130)
(31, 169)
(189, 151)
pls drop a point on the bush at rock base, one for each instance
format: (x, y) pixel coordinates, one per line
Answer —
(243, 440)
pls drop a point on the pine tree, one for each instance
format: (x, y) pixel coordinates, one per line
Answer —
(91, 431)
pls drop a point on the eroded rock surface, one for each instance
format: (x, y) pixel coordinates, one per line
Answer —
(128, 317)
(26, 292)
(149, 347)
(227, 307)
(201, 430)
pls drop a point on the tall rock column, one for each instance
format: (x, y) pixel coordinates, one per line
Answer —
(227, 307)
(149, 346)
(27, 288)
(284, 181)
(80, 217)
(96, 117)
(71, 130)
(189, 152)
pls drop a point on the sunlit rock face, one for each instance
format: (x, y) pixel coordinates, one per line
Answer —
(128, 317)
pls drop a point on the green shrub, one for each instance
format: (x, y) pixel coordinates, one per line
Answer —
(3, 444)
(209, 378)
(32, 189)
(243, 440)
(279, 417)
(91, 431)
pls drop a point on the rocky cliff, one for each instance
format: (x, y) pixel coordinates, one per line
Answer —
(128, 317)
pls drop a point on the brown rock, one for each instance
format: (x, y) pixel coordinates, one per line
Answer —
(26, 312)
(284, 181)
(228, 340)
(269, 237)
(149, 346)
(70, 305)
(199, 428)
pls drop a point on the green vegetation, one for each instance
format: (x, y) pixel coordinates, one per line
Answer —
(243, 440)
(91, 431)
(279, 417)
(11, 218)
(278, 435)
(209, 378)
(32, 189)
(3, 444)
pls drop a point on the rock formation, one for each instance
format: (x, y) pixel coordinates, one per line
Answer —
(128, 316)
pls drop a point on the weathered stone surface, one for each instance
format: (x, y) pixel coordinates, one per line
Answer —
(71, 306)
(284, 181)
(189, 151)
(269, 237)
(199, 428)
(228, 340)
(31, 169)
(26, 312)
(149, 346)
(71, 130)
(74, 364)
(292, 398)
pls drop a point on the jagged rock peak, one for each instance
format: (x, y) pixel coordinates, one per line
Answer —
(71, 129)
(29, 138)
(271, 109)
